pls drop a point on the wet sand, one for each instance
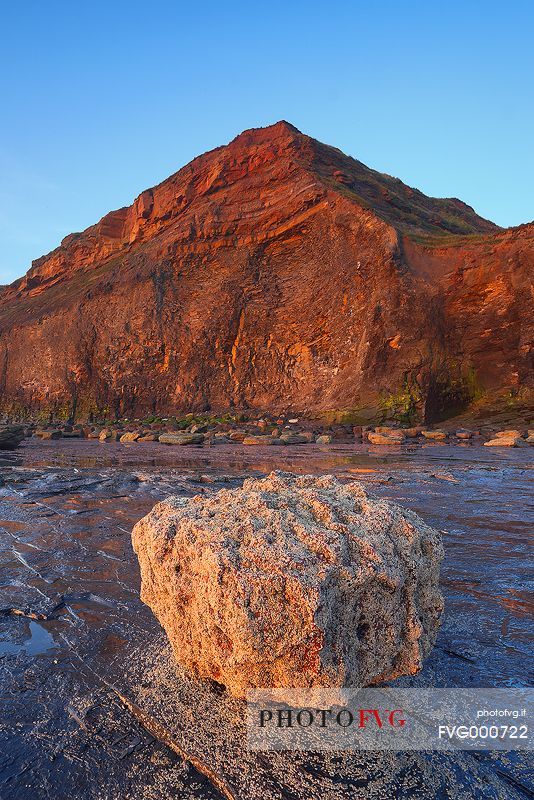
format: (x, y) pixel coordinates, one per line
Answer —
(92, 704)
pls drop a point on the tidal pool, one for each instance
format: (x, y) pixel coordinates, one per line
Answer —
(92, 704)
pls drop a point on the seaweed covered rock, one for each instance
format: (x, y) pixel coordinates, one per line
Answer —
(292, 581)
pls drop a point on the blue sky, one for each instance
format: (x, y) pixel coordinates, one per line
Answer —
(101, 100)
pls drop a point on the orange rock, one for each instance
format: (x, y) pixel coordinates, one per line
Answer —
(393, 437)
(292, 581)
(274, 272)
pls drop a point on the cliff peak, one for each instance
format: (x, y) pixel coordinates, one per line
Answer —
(280, 129)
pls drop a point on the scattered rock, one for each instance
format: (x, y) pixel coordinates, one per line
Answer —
(437, 434)
(130, 436)
(263, 439)
(181, 438)
(504, 441)
(49, 434)
(325, 438)
(397, 437)
(294, 438)
(464, 434)
(238, 436)
(507, 435)
(292, 581)
(149, 437)
(11, 436)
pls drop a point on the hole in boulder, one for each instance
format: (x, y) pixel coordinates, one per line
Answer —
(362, 630)
(218, 688)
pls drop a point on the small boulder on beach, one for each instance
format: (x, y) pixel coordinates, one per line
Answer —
(392, 437)
(237, 436)
(438, 435)
(219, 438)
(506, 441)
(109, 435)
(11, 436)
(292, 581)
(48, 434)
(129, 436)
(182, 438)
(295, 438)
(462, 433)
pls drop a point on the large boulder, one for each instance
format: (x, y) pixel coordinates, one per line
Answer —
(11, 436)
(292, 581)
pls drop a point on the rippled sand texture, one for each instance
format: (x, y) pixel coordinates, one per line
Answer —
(92, 704)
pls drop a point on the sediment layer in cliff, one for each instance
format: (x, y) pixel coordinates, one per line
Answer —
(275, 273)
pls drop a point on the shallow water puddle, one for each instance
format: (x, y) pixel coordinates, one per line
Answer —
(39, 641)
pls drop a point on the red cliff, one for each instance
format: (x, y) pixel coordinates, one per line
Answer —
(274, 273)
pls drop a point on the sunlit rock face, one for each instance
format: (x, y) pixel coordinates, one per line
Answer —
(274, 273)
(292, 581)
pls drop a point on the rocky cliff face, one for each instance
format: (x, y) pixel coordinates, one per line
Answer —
(277, 273)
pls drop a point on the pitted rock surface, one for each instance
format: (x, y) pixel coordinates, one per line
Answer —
(292, 581)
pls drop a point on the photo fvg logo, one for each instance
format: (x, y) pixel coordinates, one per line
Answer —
(390, 718)
(361, 718)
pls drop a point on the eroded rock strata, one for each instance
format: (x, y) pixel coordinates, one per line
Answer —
(291, 581)
(273, 273)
